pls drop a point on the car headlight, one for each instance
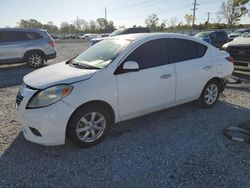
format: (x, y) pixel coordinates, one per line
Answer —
(224, 47)
(49, 96)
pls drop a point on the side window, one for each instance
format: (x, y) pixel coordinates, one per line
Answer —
(33, 36)
(2, 37)
(150, 54)
(18, 36)
(12, 36)
(182, 50)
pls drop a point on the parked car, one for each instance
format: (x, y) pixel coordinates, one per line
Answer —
(239, 49)
(216, 38)
(122, 32)
(33, 46)
(118, 79)
(237, 33)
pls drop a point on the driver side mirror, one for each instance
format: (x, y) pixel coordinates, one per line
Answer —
(131, 66)
(128, 66)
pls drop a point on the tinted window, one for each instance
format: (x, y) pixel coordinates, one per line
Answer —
(14, 36)
(182, 50)
(33, 36)
(150, 54)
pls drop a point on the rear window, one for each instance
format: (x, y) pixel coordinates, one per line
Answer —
(14, 36)
(182, 50)
(33, 36)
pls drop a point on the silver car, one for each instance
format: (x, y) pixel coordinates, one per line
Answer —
(33, 46)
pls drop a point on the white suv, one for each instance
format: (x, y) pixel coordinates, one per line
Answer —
(118, 79)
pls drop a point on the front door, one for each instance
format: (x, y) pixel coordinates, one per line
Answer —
(153, 86)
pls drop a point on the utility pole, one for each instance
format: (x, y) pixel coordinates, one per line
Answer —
(194, 10)
(105, 12)
(208, 16)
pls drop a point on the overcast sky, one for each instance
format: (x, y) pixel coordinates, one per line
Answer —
(122, 12)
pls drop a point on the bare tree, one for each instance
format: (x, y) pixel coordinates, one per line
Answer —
(188, 18)
(232, 10)
(152, 22)
(173, 22)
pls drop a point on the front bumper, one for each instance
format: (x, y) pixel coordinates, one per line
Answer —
(50, 122)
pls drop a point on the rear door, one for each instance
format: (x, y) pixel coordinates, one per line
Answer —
(193, 68)
(153, 86)
(11, 43)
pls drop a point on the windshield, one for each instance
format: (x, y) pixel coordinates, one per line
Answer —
(246, 35)
(101, 54)
(239, 31)
(202, 34)
(117, 32)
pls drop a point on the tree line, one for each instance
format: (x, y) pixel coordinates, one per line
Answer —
(78, 26)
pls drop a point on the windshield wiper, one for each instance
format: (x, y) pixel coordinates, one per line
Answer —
(82, 65)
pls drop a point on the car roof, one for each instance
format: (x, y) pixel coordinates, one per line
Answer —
(22, 29)
(136, 36)
(141, 36)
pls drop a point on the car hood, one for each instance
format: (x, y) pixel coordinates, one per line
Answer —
(98, 39)
(240, 41)
(60, 73)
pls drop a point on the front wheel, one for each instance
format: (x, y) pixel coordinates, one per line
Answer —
(89, 125)
(209, 95)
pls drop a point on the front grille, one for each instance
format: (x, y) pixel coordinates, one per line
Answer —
(240, 53)
(19, 99)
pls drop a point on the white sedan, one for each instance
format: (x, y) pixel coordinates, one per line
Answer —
(115, 80)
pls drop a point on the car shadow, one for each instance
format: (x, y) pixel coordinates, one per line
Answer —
(12, 74)
(172, 147)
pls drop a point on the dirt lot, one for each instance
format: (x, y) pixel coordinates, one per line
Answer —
(179, 147)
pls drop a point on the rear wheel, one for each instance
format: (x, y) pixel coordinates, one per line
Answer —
(89, 125)
(209, 95)
(35, 59)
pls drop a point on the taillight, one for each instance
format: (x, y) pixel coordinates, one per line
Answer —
(230, 59)
(52, 43)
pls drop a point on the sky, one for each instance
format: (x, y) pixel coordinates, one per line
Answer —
(122, 12)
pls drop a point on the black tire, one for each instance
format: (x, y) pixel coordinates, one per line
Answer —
(35, 59)
(79, 114)
(202, 102)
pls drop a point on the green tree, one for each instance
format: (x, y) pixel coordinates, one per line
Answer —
(152, 22)
(232, 10)
(101, 24)
(30, 23)
(51, 28)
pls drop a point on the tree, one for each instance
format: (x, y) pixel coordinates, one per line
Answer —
(188, 18)
(81, 24)
(92, 26)
(152, 22)
(232, 10)
(173, 22)
(101, 24)
(30, 23)
(50, 27)
(68, 28)
(110, 27)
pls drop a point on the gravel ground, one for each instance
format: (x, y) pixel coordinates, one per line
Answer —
(178, 147)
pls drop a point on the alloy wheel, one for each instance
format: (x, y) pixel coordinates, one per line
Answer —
(211, 94)
(91, 127)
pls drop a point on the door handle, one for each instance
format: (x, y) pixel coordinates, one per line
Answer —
(207, 67)
(165, 76)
